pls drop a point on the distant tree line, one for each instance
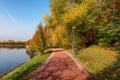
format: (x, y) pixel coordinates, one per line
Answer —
(11, 42)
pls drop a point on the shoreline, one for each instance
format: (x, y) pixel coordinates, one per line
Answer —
(2, 75)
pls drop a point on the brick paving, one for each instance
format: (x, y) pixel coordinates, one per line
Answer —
(61, 66)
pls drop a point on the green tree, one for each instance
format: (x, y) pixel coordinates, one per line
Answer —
(109, 29)
(83, 17)
(68, 13)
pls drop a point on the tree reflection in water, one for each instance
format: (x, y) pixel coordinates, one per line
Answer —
(30, 54)
(10, 47)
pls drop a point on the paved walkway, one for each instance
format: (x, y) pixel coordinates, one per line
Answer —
(61, 66)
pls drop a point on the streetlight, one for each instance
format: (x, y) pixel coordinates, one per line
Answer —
(73, 50)
(101, 1)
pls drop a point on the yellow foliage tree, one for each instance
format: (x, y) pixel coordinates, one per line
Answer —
(54, 39)
(61, 32)
(75, 15)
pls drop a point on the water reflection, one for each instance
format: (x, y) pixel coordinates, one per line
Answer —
(10, 47)
(31, 55)
(11, 57)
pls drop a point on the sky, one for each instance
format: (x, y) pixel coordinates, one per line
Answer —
(19, 18)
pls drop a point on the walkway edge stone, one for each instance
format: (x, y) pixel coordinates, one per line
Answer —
(79, 65)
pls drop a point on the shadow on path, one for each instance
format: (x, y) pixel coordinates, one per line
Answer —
(60, 67)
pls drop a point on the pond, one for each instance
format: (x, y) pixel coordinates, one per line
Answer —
(10, 58)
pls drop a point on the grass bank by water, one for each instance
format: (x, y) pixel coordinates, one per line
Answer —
(24, 70)
(104, 64)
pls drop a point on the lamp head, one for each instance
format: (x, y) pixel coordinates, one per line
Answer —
(73, 27)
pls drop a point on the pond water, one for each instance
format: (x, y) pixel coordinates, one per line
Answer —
(11, 58)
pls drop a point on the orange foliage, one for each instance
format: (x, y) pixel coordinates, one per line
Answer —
(107, 19)
(115, 5)
(29, 42)
(35, 36)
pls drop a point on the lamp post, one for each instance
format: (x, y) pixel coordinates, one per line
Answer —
(73, 50)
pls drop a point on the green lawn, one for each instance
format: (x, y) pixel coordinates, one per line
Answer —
(23, 71)
(104, 64)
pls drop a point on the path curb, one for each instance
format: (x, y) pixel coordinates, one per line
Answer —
(79, 65)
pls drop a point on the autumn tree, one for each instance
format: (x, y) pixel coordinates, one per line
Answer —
(82, 16)
(38, 40)
(58, 8)
(64, 15)
(109, 29)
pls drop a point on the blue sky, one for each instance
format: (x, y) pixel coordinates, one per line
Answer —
(19, 18)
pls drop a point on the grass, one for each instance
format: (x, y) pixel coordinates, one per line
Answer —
(24, 70)
(102, 63)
